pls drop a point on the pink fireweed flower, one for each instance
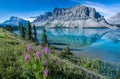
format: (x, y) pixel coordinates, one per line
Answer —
(45, 63)
(46, 50)
(27, 57)
(38, 54)
(46, 72)
(29, 47)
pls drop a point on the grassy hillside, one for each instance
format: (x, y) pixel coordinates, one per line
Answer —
(13, 63)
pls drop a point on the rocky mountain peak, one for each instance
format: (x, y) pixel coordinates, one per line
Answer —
(77, 13)
(13, 18)
(14, 21)
(73, 13)
(115, 19)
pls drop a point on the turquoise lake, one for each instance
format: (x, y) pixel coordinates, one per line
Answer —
(102, 44)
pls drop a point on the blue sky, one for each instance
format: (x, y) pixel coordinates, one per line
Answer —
(27, 8)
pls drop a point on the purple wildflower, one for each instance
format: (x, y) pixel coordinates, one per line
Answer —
(38, 54)
(46, 72)
(46, 50)
(45, 62)
(27, 57)
(29, 48)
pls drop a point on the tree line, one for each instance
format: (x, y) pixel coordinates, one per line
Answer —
(30, 33)
(27, 32)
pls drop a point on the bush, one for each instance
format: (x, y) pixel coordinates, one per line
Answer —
(66, 52)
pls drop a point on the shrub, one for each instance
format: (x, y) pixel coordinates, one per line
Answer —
(66, 52)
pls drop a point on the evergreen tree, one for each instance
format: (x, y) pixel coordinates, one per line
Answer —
(21, 29)
(9, 28)
(44, 38)
(29, 31)
(35, 33)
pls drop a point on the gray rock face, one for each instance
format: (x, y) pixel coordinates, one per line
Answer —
(14, 21)
(114, 19)
(76, 16)
(43, 17)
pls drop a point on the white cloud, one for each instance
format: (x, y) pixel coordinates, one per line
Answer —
(106, 10)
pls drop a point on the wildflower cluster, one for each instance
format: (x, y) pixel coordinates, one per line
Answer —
(37, 60)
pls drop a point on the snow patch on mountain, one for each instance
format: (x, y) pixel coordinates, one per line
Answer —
(14, 21)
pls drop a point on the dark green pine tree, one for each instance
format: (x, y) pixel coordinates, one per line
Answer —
(29, 31)
(21, 29)
(34, 33)
(44, 38)
(9, 28)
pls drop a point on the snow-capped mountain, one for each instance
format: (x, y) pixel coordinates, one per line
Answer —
(14, 21)
(78, 16)
(31, 19)
(115, 19)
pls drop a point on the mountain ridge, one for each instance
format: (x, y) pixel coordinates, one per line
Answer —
(77, 16)
(14, 21)
(115, 19)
